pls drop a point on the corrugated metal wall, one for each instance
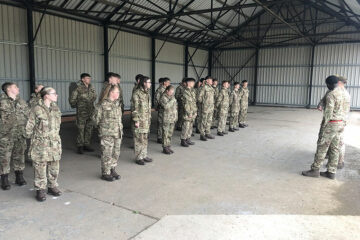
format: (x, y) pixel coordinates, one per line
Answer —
(198, 67)
(228, 63)
(13, 48)
(129, 55)
(283, 76)
(339, 59)
(63, 50)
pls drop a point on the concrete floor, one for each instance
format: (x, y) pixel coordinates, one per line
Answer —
(253, 172)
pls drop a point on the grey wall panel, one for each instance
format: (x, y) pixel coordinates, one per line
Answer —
(174, 71)
(170, 52)
(198, 67)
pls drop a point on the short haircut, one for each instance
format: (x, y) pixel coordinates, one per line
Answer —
(236, 83)
(110, 75)
(84, 75)
(244, 81)
(170, 87)
(6, 86)
(208, 77)
(215, 80)
(161, 80)
(138, 77)
(165, 79)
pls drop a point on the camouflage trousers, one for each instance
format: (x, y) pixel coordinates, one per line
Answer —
(328, 141)
(233, 121)
(215, 117)
(167, 131)
(180, 116)
(159, 125)
(85, 128)
(12, 149)
(110, 152)
(243, 115)
(222, 120)
(205, 122)
(187, 129)
(46, 174)
(140, 145)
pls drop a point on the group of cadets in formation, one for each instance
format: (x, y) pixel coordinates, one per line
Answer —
(201, 105)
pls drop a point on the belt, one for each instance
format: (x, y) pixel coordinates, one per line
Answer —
(335, 120)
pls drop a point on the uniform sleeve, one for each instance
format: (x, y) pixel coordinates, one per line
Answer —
(322, 101)
(29, 128)
(201, 95)
(97, 114)
(157, 99)
(329, 108)
(231, 98)
(94, 96)
(164, 102)
(219, 99)
(135, 107)
(73, 98)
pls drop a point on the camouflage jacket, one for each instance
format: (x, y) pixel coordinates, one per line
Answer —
(178, 93)
(108, 116)
(83, 98)
(223, 100)
(189, 104)
(158, 94)
(206, 99)
(13, 116)
(216, 93)
(244, 97)
(105, 91)
(34, 99)
(141, 109)
(347, 100)
(334, 108)
(169, 106)
(43, 128)
(235, 101)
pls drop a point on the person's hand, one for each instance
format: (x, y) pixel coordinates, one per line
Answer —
(320, 108)
(137, 124)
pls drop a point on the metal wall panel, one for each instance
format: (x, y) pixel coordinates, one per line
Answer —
(198, 67)
(13, 49)
(339, 59)
(63, 50)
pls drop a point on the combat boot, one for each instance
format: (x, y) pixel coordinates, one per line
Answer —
(19, 180)
(241, 125)
(88, 149)
(114, 174)
(189, 142)
(107, 177)
(231, 130)
(225, 133)
(209, 136)
(341, 165)
(203, 138)
(170, 150)
(40, 195)
(220, 134)
(236, 129)
(140, 162)
(166, 150)
(311, 173)
(159, 140)
(245, 125)
(80, 150)
(192, 134)
(54, 191)
(328, 174)
(147, 159)
(184, 143)
(5, 185)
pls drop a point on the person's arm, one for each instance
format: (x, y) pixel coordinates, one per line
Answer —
(73, 98)
(329, 108)
(30, 124)
(135, 108)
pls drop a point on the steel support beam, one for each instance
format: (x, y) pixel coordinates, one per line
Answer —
(106, 49)
(256, 75)
(153, 69)
(31, 57)
(210, 61)
(311, 75)
(186, 60)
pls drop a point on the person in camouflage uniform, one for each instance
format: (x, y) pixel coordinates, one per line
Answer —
(197, 88)
(35, 96)
(43, 129)
(141, 116)
(13, 115)
(112, 79)
(178, 93)
(206, 103)
(190, 111)
(163, 84)
(333, 118)
(169, 105)
(108, 118)
(244, 103)
(234, 107)
(83, 98)
(222, 104)
(137, 80)
(216, 110)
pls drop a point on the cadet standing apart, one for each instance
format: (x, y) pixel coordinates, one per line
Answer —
(190, 111)
(234, 107)
(13, 116)
(45, 150)
(141, 116)
(206, 103)
(222, 104)
(169, 105)
(107, 117)
(332, 128)
(244, 102)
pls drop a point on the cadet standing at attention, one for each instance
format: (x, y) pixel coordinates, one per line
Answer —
(163, 84)
(45, 150)
(141, 116)
(190, 111)
(112, 79)
(222, 104)
(137, 80)
(35, 96)
(83, 99)
(178, 94)
(108, 116)
(330, 132)
(169, 105)
(206, 103)
(13, 116)
(216, 110)
(244, 102)
(234, 108)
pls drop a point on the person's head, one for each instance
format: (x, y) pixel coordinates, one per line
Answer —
(170, 90)
(342, 81)
(48, 94)
(215, 82)
(190, 82)
(112, 78)
(161, 80)
(244, 83)
(38, 88)
(114, 93)
(226, 84)
(166, 81)
(138, 78)
(236, 85)
(145, 83)
(10, 89)
(118, 78)
(332, 82)
(85, 78)
(209, 80)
